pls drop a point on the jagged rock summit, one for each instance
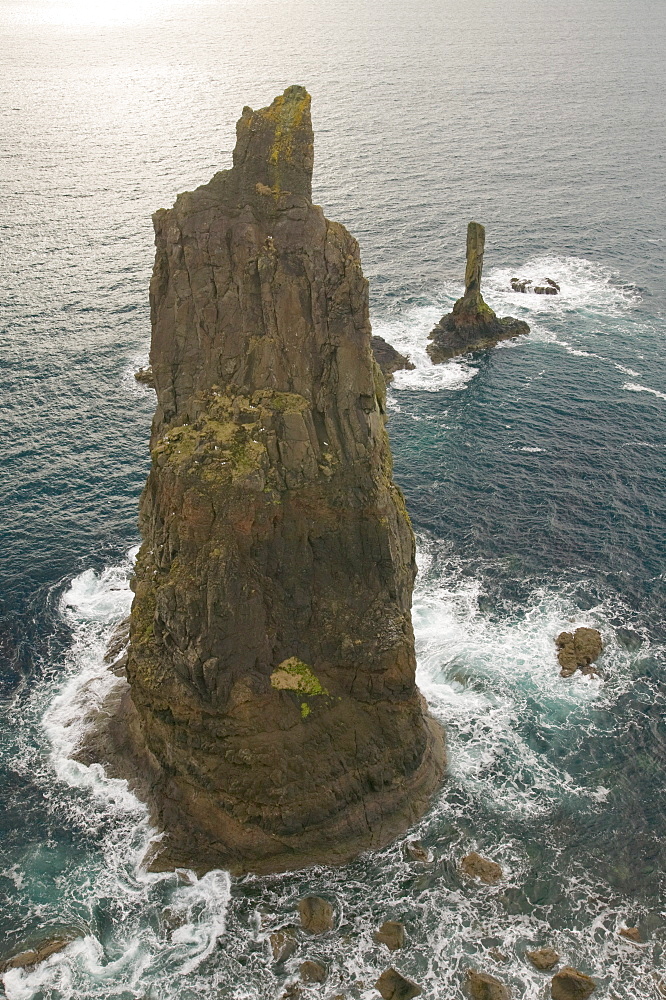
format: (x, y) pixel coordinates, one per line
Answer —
(272, 710)
(471, 325)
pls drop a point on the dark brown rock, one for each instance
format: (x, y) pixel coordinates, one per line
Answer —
(578, 650)
(392, 934)
(481, 986)
(389, 360)
(316, 914)
(283, 944)
(393, 986)
(569, 984)
(549, 287)
(145, 376)
(631, 934)
(39, 952)
(312, 972)
(543, 959)
(472, 325)
(482, 868)
(271, 663)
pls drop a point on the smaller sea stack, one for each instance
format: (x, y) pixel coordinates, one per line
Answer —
(472, 325)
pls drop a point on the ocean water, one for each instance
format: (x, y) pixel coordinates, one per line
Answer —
(533, 472)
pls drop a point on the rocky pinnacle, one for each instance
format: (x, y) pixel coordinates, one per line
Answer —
(271, 663)
(472, 324)
(476, 241)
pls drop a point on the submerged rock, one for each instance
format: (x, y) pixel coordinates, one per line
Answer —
(389, 360)
(272, 719)
(481, 986)
(292, 992)
(569, 984)
(472, 325)
(482, 868)
(283, 944)
(578, 650)
(316, 914)
(40, 951)
(312, 972)
(543, 959)
(417, 852)
(392, 934)
(393, 986)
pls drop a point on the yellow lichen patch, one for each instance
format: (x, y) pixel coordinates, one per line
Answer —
(287, 113)
(294, 675)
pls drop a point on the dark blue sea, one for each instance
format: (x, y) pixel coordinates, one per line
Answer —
(534, 472)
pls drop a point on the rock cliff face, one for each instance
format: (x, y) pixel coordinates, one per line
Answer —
(472, 324)
(271, 659)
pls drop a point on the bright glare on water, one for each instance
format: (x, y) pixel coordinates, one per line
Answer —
(533, 473)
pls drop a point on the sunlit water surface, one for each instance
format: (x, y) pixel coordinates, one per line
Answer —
(534, 473)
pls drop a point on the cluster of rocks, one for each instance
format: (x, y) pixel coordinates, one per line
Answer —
(317, 916)
(567, 984)
(578, 651)
(472, 325)
(549, 287)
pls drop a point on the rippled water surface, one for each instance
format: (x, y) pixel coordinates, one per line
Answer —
(534, 472)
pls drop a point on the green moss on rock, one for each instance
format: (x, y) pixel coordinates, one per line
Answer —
(294, 675)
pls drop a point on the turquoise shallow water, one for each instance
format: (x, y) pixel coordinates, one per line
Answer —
(534, 473)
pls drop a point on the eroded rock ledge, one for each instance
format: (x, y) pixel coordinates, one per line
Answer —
(272, 715)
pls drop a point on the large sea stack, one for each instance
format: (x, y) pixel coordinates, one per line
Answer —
(271, 660)
(472, 325)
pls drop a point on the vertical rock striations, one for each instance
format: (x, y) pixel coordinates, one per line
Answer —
(271, 658)
(472, 324)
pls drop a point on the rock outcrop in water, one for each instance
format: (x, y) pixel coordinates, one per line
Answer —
(578, 651)
(570, 984)
(549, 286)
(472, 325)
(271, 659)
(389, 360)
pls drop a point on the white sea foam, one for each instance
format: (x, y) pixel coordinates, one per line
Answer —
(408, 333)
(128, 382)
(165, 924)
(585, 287)
(479, 674)
(635, 387)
